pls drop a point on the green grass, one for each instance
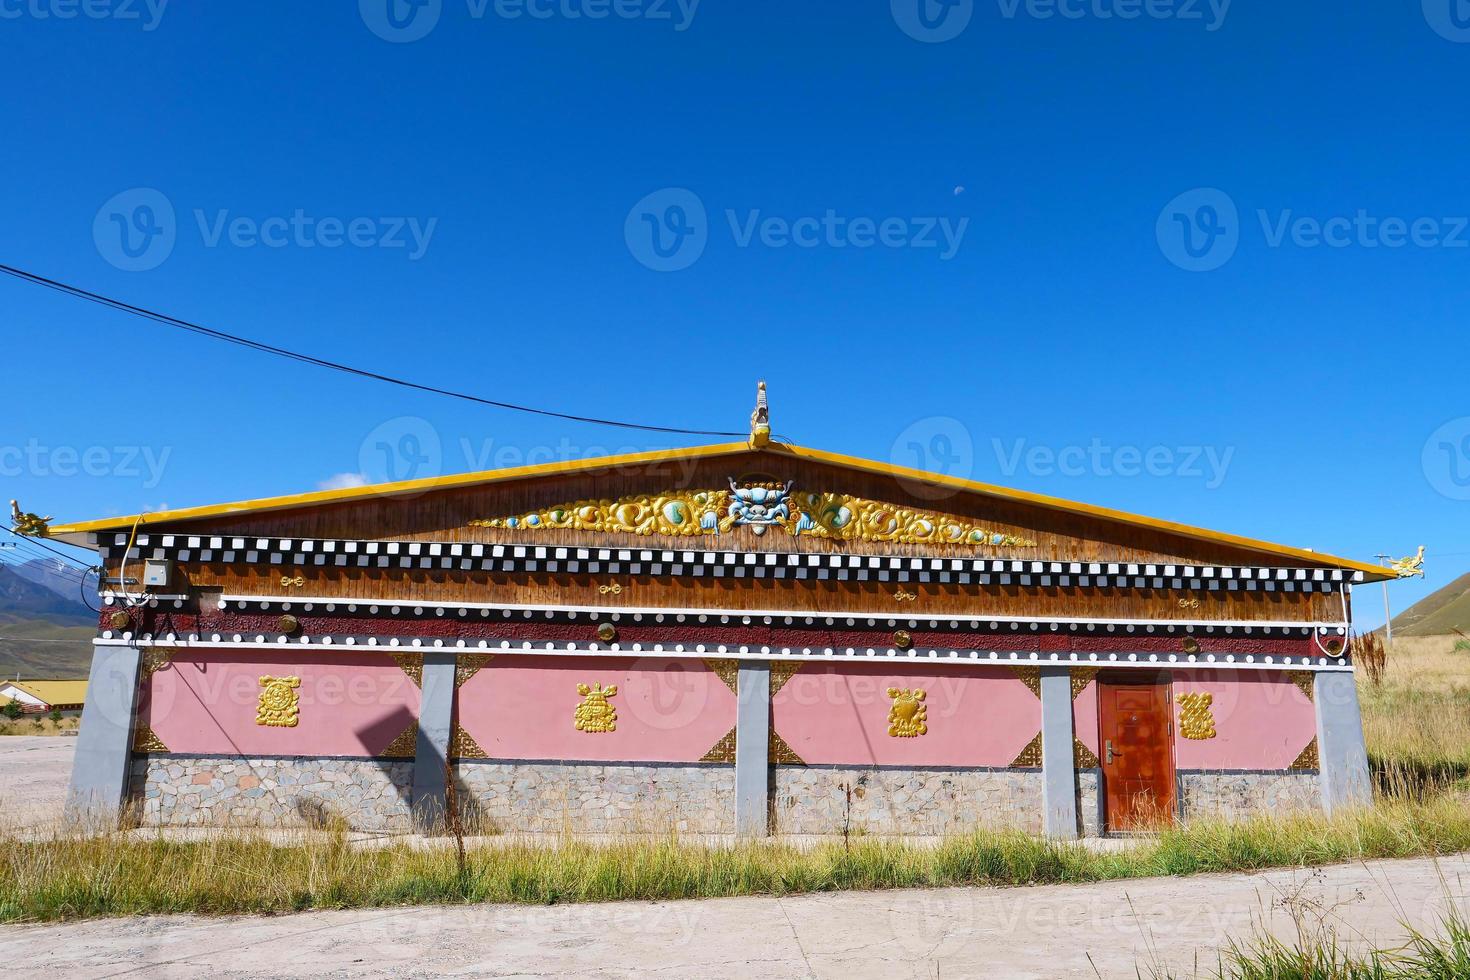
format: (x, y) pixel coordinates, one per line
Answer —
(1444, 955)
(67, 876)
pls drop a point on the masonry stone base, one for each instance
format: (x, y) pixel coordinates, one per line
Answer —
(555, 797)
(1240, 794)
(551, 797)
(922, 802)
(366, 794)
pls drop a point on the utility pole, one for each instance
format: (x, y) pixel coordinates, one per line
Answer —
(1387, 615)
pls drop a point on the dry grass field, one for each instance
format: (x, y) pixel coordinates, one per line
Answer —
(1417, 719)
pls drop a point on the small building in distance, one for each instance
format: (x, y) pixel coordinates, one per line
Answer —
(39, 697)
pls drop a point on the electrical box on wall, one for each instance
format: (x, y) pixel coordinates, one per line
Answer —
(157, 572)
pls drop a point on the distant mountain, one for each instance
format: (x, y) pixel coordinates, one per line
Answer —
(1438, 614)
(43, 634)
(57, 576)
(25, 600)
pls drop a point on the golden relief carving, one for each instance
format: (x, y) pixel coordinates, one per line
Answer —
(595, 714)
(723, 750)
(696, 513)
(903, 596)
(1190, 603)
(1030, 756)
(155, 659)
(1308, 758)
(279, 705)
(406, 745)
(1030, 676)
(727, 671)
(781, 672)
(908, 717)
(292, 581)
(411, 664)
(1196, 720)
(145, 740)
(463, 746)
(467, 665)
(1304, 681)
(779, 753)
(1081, 677)
(615, 588)
(1083, 757)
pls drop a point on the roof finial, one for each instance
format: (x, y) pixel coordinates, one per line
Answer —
(760, 420)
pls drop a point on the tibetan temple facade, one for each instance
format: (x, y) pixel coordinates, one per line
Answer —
(748, 638)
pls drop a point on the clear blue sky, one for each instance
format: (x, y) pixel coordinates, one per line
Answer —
(1296, 387)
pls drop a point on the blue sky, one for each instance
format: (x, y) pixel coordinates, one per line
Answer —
(953, 237)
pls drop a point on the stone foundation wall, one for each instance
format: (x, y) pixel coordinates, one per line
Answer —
(554, 797)
(1089, 801)
(369, 794)
(1240, 794)
(920, 802)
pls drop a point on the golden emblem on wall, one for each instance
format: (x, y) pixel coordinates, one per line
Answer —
(758, 506)
(279, 705)
(908, 717)
(595, 713)
(1196, 720)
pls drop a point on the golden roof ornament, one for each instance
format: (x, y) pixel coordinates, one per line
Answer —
(27, 524)
(1409, 567)
(760, 420)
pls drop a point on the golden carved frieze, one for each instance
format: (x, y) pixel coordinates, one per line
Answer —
(781, 672)
(279, 705)
(1030, 676)
(1083, 757)
(1081, 677)
(727, 671)
(907, 716)
(462, 745)
(759, 506)
(1305, 682)
(1196, 718)
(596, 714)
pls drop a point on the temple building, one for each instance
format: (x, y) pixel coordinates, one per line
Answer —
(748, 638)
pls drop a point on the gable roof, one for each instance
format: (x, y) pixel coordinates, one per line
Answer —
(76, 533)
(51, 692)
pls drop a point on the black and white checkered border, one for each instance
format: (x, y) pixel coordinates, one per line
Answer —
(449, 556)
(934, 655)
(658, 615)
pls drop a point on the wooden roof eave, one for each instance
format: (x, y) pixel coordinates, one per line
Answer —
(78, 533)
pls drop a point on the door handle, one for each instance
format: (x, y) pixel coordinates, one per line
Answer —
(1111, 752)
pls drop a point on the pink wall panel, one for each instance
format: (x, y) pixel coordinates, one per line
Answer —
(1084, 716)
(837, 714)
(523, 707)
(205, 702)
(1262, 720)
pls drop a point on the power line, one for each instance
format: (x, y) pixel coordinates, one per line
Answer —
(32, 541)
(265, 348)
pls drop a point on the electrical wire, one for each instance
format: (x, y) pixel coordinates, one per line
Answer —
(265, 348)
(33, 541)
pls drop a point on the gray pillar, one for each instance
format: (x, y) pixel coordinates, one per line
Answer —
(1341, 750)
(99, 772)
(752, 748)
(436, 722)
(1058, 769)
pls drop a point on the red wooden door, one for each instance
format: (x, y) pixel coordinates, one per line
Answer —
(1136, 738)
